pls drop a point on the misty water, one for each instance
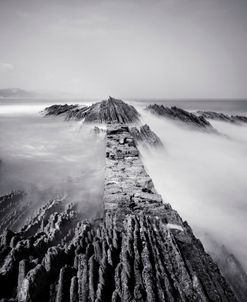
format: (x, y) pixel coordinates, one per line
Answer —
(202, 175)
(48, 157)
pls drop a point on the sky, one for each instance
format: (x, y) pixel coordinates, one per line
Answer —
(127, 48)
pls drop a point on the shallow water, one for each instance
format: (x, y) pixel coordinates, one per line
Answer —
(48, 157)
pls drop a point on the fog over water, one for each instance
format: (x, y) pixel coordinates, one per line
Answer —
(48, 157)
(203, 176)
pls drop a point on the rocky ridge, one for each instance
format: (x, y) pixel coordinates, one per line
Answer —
(223, 117)
(107, 111)
(146, 135)
(139, 250)
(178, 114)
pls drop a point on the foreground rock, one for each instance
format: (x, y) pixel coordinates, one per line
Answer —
(181, 115)
(223, 117)
(108, 111)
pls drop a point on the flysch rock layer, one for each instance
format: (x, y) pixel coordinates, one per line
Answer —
(178, 114)
(146, 135)
(211, 115)
(140, 251)
(107, 111)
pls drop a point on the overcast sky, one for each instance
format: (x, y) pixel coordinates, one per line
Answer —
(128, 48)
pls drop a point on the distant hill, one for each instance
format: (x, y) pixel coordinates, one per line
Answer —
(21, 93)
(15, 93)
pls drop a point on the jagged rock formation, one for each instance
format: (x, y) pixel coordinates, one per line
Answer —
(146, 135)
(223, 117)
(179, 114)
(59, 109)
(139, 250)
(108, 111)
(31, 258)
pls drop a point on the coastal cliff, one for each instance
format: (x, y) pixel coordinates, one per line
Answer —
(137, 249)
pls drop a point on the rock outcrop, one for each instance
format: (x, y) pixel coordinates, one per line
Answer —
(211, 115)
(108, 111)
(138, 250)
(60, 109)
(178, 114)
(146, 135)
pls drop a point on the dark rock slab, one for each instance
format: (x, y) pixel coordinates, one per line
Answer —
(112, 111)
(211, 115)
(146, 135)
(35, 285)
(181, 115)
(59, 109)
(63, 288)
(107, 111)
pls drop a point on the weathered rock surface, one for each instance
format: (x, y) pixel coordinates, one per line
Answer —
(108, 111)
(140, 251)
(146, 135)
(223, 117)
(181, 115)
(59, 109)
